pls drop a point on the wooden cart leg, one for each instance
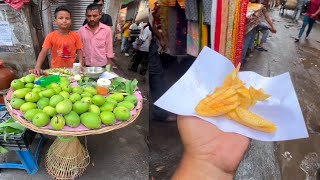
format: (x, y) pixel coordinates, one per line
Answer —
(67, 158)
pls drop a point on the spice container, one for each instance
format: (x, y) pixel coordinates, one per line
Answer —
(103, 86)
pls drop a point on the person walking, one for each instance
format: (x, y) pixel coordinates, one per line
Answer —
(134, 31)
(298, 10)
(309, 19)
(141, 45)
(157, 82)
(97, 39)
(125, 38)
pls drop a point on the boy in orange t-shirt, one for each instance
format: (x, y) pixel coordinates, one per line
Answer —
(64, 44)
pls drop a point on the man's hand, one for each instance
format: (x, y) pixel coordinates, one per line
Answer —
(82, 64)
(273, 30)
(219, 153)
(313, 15)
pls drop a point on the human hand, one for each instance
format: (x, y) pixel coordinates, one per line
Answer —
(81, 64)
(313, 15)
(37, 71)
(205, 143)
(162, 44)
(273, 30)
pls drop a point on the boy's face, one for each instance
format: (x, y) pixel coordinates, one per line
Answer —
(63, 20)
(93, 17)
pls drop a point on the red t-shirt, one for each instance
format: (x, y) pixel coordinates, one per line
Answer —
(63, 48)
(313, 8)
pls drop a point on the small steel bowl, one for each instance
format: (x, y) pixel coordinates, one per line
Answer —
(93, 72)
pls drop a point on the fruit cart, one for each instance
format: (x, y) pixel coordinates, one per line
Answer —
(67, 158)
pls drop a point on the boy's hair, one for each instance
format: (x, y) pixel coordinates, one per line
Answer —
(61, 8)
(92, 7)
(96, 1)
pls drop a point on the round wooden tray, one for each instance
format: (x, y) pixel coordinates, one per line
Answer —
(102, 130)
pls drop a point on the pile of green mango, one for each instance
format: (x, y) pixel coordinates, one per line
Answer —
(61, 104)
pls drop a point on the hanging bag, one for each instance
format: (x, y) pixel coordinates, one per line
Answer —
(305, 7)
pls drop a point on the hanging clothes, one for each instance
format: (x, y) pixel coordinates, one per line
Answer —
(224, 26)
(241, 32)
(231, 16)
(218, 26)
(16, 4)
(207, 4)
(172, 30)
(235, 30)
(193, 41)
(213, 22)
(205, 36)
(182, 3)
(167, 2)
(164, 20)
(192, 10)
(181, 32)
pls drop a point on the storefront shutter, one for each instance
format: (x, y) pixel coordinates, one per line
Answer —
(78, 9)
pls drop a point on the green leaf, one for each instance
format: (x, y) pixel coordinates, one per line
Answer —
(116, 83)
(128, 86)
(5, 134)
(86, 79)
(108, 68)
(134, 85)
(3, 150)
(10, 120)
(12, 125)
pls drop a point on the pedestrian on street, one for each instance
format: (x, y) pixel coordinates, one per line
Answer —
(310, 18)
(134, 31)
(298, 10)
(141, 45)
(208, 153)
(105, 18)
(125, 38)
(156, 73)
(264, 27)
(96, 38)
(64, 44)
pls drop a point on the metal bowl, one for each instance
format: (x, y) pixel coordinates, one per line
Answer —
(93, 72)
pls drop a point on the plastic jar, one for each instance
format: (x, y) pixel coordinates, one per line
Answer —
(76, 68)
(103, 86)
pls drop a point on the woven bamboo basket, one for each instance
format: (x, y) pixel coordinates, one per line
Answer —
(102, 130)
(67, 158)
